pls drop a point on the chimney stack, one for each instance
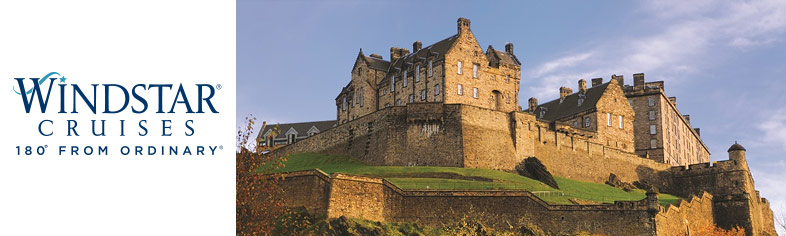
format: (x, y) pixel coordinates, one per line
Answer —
(509, 48)
(416, 46)
(597, 81)
(638, 79)
(564, 92)
(533, 103)
(463, 25)
(396, 53)
(673, 100)
(582, 86)
(620, 80)
(687, 118)
(698, 131)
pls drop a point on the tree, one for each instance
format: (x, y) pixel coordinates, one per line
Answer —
(258, 196)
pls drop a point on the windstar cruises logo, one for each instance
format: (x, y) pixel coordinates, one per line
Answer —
(192, 100)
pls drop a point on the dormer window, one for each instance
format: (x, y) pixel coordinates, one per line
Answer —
(542, 112)
(586, 122)
(581, 99)
(291, 138)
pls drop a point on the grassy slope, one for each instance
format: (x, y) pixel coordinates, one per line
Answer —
(412, 178)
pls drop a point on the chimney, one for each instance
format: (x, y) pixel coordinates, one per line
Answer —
(687, 118)
(509, 48)
(620, 80)
(377, 56)
(673, 100)
(463, 25)
(564, 92)
(533, 103)
(416, 46)
(395, 53)
(638, 79)
(698, 131)
(582, 86)
(597, 81)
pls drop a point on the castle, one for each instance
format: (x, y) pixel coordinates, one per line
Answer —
(452, 104)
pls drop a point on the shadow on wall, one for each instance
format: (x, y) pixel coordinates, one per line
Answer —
(658, 179)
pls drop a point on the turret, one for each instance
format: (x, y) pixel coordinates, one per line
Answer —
(737, 153)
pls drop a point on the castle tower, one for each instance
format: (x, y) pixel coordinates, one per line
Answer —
(737, 154)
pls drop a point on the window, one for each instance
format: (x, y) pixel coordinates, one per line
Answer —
(459, 67)
(362, 96)
(608, 118)
(360, 70)
(653, 129)
(652, 115)
(507, 78)
(387, 105)
(417, 73)
(411, 98)
(460, 89)
(290, 138)
(430, 68)
(653, 143)
(576, 123)
(631, 102)
(507, 98)
(404, 83)
(475, 92)
(651, 101)
(392, 83)
(474, 70)
(621, 126)
(398, 102)
(436, 89)
(586, 122)
(344, 104)
(423, 95)
(355, 98)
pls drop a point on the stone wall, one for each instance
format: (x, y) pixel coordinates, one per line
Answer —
(687, 218)
(377, 199)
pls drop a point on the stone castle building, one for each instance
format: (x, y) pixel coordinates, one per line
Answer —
(452, 104)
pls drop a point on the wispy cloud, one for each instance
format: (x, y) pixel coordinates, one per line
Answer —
(774, 129)
(687, 36)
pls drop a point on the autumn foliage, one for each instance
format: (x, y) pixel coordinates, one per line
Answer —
(259, 197)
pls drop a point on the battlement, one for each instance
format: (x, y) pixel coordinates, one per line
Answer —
(706, 168)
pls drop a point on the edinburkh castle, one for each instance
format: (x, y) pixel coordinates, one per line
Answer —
(454, 104)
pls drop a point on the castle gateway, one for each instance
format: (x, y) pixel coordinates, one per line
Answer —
(453, 104)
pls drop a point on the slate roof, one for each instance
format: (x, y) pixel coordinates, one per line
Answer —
(504, 57)
(301, 128)
(440, 48)
(377, 63)
(735, 147)
(556, 110)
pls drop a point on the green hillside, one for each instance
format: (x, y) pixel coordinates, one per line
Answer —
(429, 177)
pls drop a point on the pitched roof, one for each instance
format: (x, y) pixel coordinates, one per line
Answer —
(440, 48)
(377, 63)
(556, 110)
(504, 57)
(301, 128)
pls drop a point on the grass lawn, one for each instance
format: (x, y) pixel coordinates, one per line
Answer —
(429, 177)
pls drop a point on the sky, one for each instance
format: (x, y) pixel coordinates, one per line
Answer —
(725, 61)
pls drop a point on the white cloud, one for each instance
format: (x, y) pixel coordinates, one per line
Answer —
(774, 129)
(686, 37)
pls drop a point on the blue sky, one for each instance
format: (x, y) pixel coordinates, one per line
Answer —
(724, 61)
